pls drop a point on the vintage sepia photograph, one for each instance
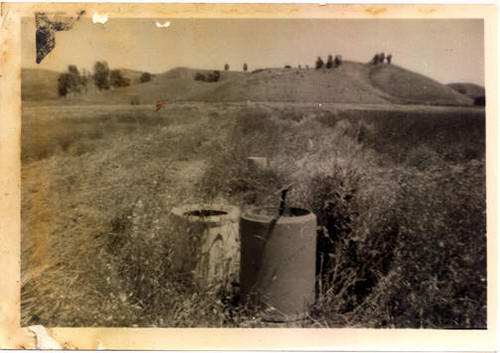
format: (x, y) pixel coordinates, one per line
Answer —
(253, 173)
(248, 167)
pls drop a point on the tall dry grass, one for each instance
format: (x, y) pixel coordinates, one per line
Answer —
(398, 196)
(400, 200)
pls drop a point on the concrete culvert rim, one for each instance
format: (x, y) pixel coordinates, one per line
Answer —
(208, 213)
(205, 213)
(268, 214)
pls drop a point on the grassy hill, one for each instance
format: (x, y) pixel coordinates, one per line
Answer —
(352, 82)
(469, 89)
(38, 84)
(41, 84)
(174, 85)
(414, 88)
(347, 84)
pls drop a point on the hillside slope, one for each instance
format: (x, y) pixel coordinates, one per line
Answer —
(414, 88)
(174, 85)
(133, 75)
(469, 89)
(39, 84)
(346, 84)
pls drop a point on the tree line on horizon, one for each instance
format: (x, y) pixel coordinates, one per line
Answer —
(332, 62)
(102, 78)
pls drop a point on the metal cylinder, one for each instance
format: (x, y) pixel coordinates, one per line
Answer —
(278, 259)
(209, 246)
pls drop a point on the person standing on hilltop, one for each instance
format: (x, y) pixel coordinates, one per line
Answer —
(389, 58)
(376, 59)
(382, 57)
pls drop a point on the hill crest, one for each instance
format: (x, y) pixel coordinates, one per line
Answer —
(351, 82)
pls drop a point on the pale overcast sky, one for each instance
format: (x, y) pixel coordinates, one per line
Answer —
(445, 50)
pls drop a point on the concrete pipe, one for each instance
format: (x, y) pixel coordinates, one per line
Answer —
(278, 259)
(209, 247)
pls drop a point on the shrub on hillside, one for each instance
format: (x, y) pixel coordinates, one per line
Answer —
(117, 80)
(480, 101)
(210, 77)
(199, 77)
(145, 77)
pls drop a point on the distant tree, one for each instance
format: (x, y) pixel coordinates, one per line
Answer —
(84, 79)
(72, 69)
(116, 79)
(63, 84)
(329, 62)
(226, 67)
(101, 75)
(145, 77)
(288, 67)
(319, 63)
(245, 67)
(389, 58)
(338, 60)
(70, 81)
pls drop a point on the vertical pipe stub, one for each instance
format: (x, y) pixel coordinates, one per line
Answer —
(208, 244)
(278, 259)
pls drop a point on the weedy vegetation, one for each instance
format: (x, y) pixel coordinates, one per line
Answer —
(399, 194)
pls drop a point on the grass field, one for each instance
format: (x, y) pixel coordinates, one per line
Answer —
(399, 194)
